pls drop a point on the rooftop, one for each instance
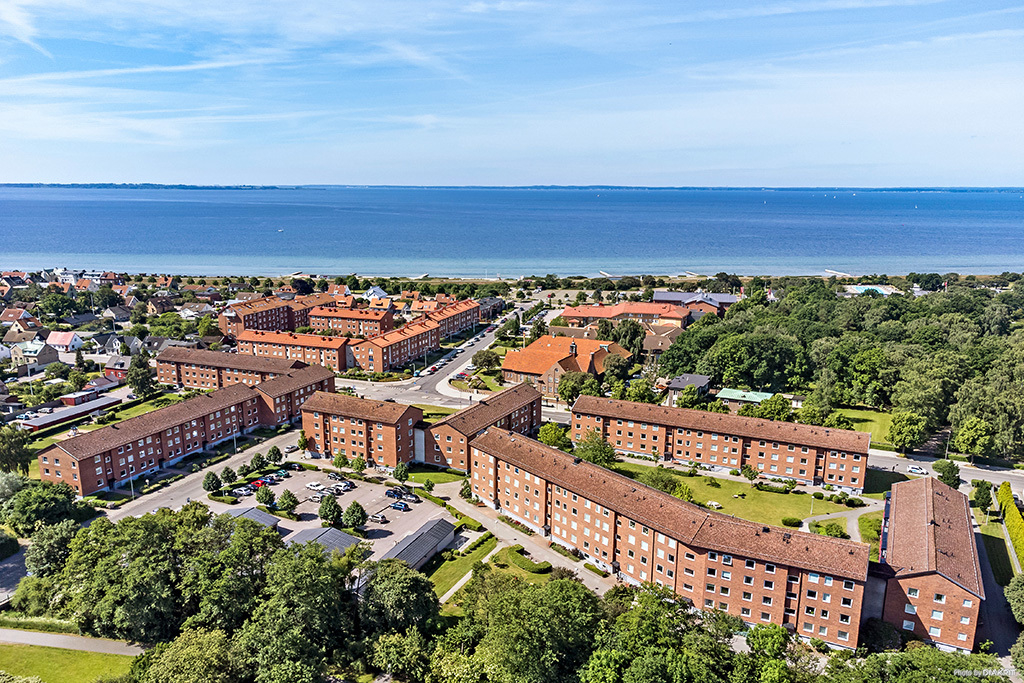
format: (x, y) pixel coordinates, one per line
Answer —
(290, 338)
(726, 423)
(348, 313)
(422, 543)
(931, 530)
(232, 361)
(362, 408)
(480, 416)
(538, 357)
(742, 395)
(329, 537)
(293, 380)
(673, 517)
(626, 308)
(256, 515)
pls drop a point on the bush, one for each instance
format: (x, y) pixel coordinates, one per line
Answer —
(562, 550)
(1012, 519)
(595, 569)
(230, 500)
(734, 472)
(44, 624)
(818, 495)
(477, 543)
(771, 488)
(469, 523)
(516, 525)
(794, 522)
(8, 546)
(854, 503)
(516, 557)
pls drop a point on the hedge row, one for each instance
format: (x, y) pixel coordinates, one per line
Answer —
(230, 500)
(468, 522)
(1012, 519)
(519, 526)
(562, 550)
(516, 557)
(595, 569)
(44, 624)
(477, 543)
(8, 546)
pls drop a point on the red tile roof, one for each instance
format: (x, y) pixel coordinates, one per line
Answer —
(676, 518)
(931, 530)
(627, 308)
(725, 423)
(348, 313)
(291, 339)
(360, 408)
(233, 361)
(485, 413)
(293, 380)
(541, 355)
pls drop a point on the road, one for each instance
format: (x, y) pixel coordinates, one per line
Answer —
(68, 642)
(887, 460)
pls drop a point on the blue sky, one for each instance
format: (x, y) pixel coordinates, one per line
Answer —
(508, 92)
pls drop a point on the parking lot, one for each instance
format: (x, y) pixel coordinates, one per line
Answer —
(370, 495)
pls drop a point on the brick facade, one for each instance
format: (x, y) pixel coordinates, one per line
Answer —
(361, 322)
(396, 348)
(379, 432)
(201, 369)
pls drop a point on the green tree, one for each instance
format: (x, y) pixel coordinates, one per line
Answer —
(619, 390)
(907, 431)
(274, 455)
(264, 496)
(79, 360)
(288, 501)
(354, 516)
(45, 503)
(195, 656)
(616, 368)
(15, 455)
(330, 511)
(629, 334)
(591, 387)
(401, 473)
(140, 376)
(486, 359)
(683, 492)
(428, 485)
(570, 384)
(396, 597)
(258, 462)
(228, 476)
(10, 483)
(640, 391)
(658, 478)
(689, 397)
(50, 548)
(949, 472)
(974, 436)
(778, 408)
(244, 470)
(211, 482)
(358, 465)
(1014, 593)
(605, 329)
(750, 474)
(77, 379)
(539, 329)
(207, 326)
(303, 441)
(406, 656)
(1017, 653)
(837, 420)
(554, 435)
(593, 448)
(983, 497)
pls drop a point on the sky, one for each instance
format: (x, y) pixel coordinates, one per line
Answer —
(867, 93)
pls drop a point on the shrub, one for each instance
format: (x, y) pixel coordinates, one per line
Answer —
(734, 472)
(1012, 519)
(772, 488)
(854, 503)
(230, 500)
(477, 543)
(469, 523)
(8, 545)
(818, 495)
(595, 569)
(516, 525)
(516, 557)
(562, 550)
(794, 522)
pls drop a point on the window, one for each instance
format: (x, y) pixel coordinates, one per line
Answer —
(968, 603)
(909, 609)
(935, 632)
(912, 592)
(940, 598)
(908, 625)
(937, 614)
(965, 620)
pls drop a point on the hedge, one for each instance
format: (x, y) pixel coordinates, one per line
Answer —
(477, 543)
(230, 500)
(469, 523)
(8, 546)
(303, 465)
(516, 557)
(762, 486)
(595, 569)
(44, 624)
(1012, 519)
(562, 550)
(516, 525)
(794, 522)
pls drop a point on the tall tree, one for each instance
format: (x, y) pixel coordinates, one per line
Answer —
(907, 431)
(395, 598)
(15, 454)
(140, 376)
(593, 448)
(50, 548)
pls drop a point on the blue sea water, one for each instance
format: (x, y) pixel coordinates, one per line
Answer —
(511, 232)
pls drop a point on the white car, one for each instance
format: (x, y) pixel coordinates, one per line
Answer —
(914, 469)
(315, 486)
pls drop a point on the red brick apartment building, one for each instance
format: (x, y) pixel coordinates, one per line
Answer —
(270, 313)
(762, 574)
(640, 311)
(364, 322)
(934, 587)
(110, 456)
(314, 349)
(516, 409)
(396, 348)
(808, 454)
(545, 361)
(456, 318)
(202, 369)
(282, 397)
(380, 432)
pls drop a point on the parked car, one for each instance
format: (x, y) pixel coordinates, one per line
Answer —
(409, 498)
(131, 396)
(258, 483)
(392, 494)
(915, 469)
(294, 466)
(317, 497)
(315, 486)
(400, 506)
(240, 492)
(23, 416)
(378, 518)
(347, 486)
(46, 411)
(291, 449)
(283, 473)
(335, 476)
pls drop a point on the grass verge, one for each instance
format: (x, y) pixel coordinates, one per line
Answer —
(446, 573)
(870, 524)
(55, 665)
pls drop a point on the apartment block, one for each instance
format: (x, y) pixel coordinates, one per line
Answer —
(271, 313)
(640, 311)
(380, 432)
(315, 349)
(361, 322)
(456, 318)
(396, 348)
(517, 409)
(282, 398)
(109, 457)
(809, 583)
(934, 586)
(202, 369)
(805, 453)
(302, 306)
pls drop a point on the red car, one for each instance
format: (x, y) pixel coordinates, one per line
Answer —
(258, 483)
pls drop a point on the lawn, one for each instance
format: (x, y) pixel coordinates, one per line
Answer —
(841, 521)
(502, 557)
(432, 414)
(873, 421)
(757, 506)
(55, 665)
(420, 474)
(867, 531)
(878, 482)
(445, 574)
(995, 543)
(489, 377)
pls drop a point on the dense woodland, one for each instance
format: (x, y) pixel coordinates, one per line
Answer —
(223, 600)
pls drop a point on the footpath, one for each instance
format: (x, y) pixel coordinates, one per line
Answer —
(68, 642)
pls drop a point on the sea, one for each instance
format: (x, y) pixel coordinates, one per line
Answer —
(511, 232)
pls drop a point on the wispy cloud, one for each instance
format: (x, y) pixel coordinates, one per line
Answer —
(128, 71)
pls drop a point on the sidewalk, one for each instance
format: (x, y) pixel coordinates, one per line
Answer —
(536, 545)
(68, 642)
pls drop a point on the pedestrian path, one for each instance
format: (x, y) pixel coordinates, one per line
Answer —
(68, 642)
(469, 575)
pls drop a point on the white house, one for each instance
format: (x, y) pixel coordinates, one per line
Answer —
(64, 341)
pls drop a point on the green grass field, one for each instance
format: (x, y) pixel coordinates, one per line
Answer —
(489, 378)
(757, 506)
(995, 543)
(421, 474)
(432, 414)
(445, 574)
(841, 521)
(54, 665)
(878, 482)
(502, 557)
(873, 421)
(867, 532)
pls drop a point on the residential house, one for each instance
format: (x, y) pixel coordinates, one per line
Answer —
(373, 292)
(195, 310)
(117, 368)
(113, 345)
(703, 302)
(119, 314)
(543, 362)
(79, 319)
(10, 315)
(676, 385)
(158, 305)
(64, 341)
(737, 398)
(36, 353)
